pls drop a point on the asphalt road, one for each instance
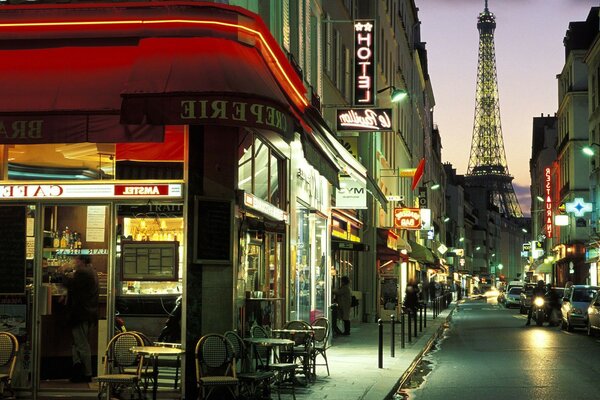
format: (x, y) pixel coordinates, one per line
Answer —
(489, 353)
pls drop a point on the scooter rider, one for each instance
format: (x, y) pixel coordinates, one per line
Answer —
(538, 291)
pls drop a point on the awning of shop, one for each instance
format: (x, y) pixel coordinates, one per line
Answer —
(204, 80)
(421, 253)
(105, 74)
(349, 165)
(317, 155)
(66, 94)
(384, 251)
(539, 266)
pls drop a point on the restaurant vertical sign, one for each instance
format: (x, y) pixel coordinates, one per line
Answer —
(548, 201)
(364, 62)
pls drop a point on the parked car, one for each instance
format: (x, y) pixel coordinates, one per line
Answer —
(525, 299)
(593, 324)
(575, 305)
(513, 297)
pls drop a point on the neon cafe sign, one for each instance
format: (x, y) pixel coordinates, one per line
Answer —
(548, 201)
(364, 119)
(364, 65)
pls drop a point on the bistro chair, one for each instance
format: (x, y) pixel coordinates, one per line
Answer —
(147, 373)
(285, 372)
(252, 383)
(303, 343)
(117, 359)
(320, 343)
(9, 347)
(215, 366)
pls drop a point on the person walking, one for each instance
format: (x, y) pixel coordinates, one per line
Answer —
(343, 296)
(82, 313)
(411, 299)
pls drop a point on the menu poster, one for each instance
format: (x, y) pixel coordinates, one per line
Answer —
(96, 223)
(13, 249)
(212, 231)
(149, 261)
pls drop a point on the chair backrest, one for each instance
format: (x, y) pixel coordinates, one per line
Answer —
(240, 351)
(214, 356)
(299, 325)
(321, 335)
(118, 354)
(145, 339)
(9, 347)
(258, 331)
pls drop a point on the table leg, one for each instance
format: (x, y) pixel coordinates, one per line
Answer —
(155, 376)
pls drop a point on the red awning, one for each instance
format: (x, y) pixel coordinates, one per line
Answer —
(67, 94)
(204, 80)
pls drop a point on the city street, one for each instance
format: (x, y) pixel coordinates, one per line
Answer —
(489, 353)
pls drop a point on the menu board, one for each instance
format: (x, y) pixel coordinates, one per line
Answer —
(149, 261)
(13, 249)
(212, 231)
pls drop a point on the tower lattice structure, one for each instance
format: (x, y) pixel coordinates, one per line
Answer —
(487, 162)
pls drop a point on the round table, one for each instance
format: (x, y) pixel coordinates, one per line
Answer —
(154, 352)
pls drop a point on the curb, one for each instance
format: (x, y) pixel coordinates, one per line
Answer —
(409, 371)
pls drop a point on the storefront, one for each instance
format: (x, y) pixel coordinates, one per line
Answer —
(392, 262)
(115, 145)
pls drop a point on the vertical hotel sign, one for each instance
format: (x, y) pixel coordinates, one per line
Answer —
(364, 62)
(548, 201)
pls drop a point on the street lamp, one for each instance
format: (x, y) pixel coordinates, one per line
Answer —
(588, 151)
(446, 219)
(396, 95)
(539, 198)
(434, 186)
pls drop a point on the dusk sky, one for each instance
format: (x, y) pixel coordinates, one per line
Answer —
(529, 54)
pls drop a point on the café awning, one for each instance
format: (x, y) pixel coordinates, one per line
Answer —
(421, 253)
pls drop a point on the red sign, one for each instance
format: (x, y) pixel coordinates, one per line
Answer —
(407, 218)
(548, 201)
(141, 190)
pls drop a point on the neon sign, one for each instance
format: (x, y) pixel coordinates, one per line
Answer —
(407, 218)
(579, 207)
(548, 201)
(364, 119)
(364, 65)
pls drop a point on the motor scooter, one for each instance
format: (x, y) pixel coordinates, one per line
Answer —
(538, 311)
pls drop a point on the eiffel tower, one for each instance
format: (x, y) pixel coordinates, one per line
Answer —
(487, 162)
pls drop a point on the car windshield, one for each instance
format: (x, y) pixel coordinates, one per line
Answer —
(515, 290)
(584, 295)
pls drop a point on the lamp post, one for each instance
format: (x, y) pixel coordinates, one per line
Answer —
(396, 94)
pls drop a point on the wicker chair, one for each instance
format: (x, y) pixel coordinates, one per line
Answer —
(117, 358)
(253, 384)
(303, 344)
(9, 347)
(285, 372)
(320, 345)
(215, 366)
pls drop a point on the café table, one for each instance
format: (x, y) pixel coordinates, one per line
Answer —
(154, 352)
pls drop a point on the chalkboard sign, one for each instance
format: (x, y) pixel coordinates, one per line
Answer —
(12, 249)
(212, 231)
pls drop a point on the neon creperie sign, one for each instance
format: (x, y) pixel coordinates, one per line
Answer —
(548, 201)
(59, 191)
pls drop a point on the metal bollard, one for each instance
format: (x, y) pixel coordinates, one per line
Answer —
(409, 327)
(393, 338)
(402, 330)
(380, 355)
(416, 322)
(425, 314)
(421, 318)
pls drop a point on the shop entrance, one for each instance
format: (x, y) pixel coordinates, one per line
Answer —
(73, 323)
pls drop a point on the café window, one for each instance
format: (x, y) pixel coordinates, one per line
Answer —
(259, 169)
(98, 161)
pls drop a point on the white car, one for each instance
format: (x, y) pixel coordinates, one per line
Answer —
(575, 306)
(593, 324)
(513, 297)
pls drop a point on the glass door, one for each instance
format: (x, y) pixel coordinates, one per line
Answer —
(72, 295)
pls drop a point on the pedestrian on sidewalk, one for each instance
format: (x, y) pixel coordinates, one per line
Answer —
(411, 299)
(343, 296)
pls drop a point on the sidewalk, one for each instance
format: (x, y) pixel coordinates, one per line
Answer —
(353, 362)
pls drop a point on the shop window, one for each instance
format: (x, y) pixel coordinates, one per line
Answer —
(259, 170)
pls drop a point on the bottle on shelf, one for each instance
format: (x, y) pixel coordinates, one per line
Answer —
(55, 240)
(63, 240)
